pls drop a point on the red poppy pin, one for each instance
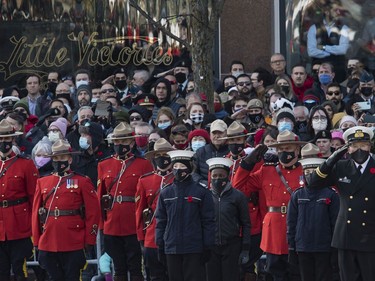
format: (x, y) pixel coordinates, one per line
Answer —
(99, 153)
(372, 170)
(70, 149)
(328, 201)
(22, 148)
(190, 199)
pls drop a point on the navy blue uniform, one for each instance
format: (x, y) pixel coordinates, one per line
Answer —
(311, 221)
(185, 228)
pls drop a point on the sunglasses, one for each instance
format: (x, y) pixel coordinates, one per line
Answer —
(336, 93)
(243, 84)
(135, 118)
(108, 91)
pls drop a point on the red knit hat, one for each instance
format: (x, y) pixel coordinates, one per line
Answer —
(199, 132)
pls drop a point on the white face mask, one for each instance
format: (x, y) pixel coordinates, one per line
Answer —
(82, 82)
(94, 100)
(319, 125)
(237, 73)
(53, 136)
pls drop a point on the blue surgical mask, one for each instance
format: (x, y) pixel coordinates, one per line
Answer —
(284, 126)
(164, 126)
(195, 145)
(83, 143)
(325, 79)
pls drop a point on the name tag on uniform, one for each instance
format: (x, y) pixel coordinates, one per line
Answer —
(345, 180)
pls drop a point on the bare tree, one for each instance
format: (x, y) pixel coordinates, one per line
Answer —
(204, 18)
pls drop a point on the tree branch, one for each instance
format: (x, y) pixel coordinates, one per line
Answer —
(158, 25)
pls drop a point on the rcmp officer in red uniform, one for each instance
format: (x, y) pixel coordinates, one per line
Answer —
(148, 190)
(277, 182)
(18, 177)
(117, 183)
(65, 217)
(354, 234)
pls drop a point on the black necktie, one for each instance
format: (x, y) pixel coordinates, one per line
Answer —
(359, 168)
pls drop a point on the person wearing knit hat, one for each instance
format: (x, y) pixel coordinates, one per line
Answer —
(138, 114)
(198, 138)
(22, 105)
(323, 141)
(84, 95)
(337, 139)
(347, 122)
(285, 120)
(57, 130)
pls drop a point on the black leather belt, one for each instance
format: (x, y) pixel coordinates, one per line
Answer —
(120, 199)
(9, 203)
(282, 209)
(60, 213)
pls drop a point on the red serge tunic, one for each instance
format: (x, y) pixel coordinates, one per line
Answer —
(267, 179)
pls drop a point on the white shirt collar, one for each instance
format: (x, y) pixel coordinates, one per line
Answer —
(364, 164)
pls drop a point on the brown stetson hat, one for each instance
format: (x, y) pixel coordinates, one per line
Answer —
(287, 137)
(122, 131)
(161, 145)
(7, 130)
(62, 147)
(235, 130)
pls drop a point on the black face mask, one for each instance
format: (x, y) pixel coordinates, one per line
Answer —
(360, 156)
(151, 146)
(349, 71)
(121, 149)
(52, 86)
(181, 174)
(286, 157)
(219, 184)
(285, 89)
(301, 125)
(163, 162)
(60, 166)
(366, 91)
(121, 84)
(255, 118)
(308, 178)
(235, 148)
(180, 77)
(5, 146)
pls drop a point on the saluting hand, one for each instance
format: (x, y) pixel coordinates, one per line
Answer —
(256, 155)
(337, 155)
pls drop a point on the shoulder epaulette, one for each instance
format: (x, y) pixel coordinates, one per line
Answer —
(147, 174)
(110, 156)
(270, 164)
(201, 184)
(331, 188)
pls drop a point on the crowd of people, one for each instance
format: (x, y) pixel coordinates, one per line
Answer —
(282, 167)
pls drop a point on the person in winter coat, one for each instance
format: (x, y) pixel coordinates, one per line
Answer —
(185, 222)
(232, 219)
(311, 219)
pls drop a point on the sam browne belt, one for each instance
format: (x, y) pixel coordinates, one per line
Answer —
(9, 203)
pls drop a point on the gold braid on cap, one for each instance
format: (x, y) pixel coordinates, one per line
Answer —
(320, 174)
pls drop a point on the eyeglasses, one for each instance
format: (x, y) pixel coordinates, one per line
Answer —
(321, 118)
(277, 61)
(20, 110)
(336, 93)
(107, 91)
(135, 118)
(243, 84)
